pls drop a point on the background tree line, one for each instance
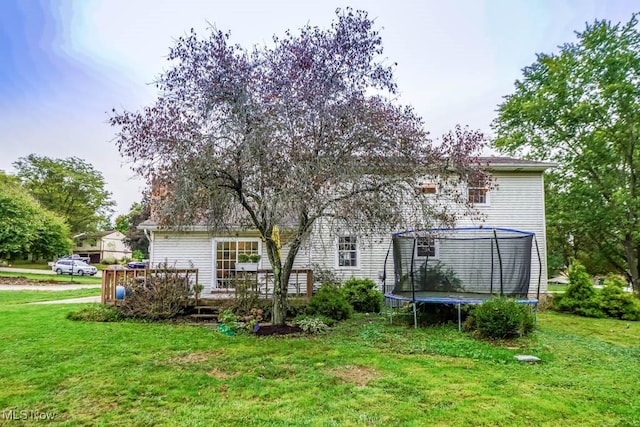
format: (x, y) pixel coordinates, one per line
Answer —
(48, 201)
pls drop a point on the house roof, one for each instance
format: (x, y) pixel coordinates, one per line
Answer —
(94, 235)
(511, 164)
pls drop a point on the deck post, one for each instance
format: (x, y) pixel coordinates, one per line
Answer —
(309, 283)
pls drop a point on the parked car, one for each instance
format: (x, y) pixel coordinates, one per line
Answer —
(138, 264)
(77, 258)
(71, 266)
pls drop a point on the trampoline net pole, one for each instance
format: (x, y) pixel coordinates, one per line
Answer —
(495, 236)
(535, 239)
(413, 284)
(491, 276)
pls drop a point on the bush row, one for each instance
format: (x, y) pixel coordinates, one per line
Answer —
(339, 302)
(583, 299)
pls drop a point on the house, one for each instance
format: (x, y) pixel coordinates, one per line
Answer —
(515, 200)
(101, 245)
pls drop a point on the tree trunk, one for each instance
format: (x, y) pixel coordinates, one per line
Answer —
(632, 263)
(281, 275)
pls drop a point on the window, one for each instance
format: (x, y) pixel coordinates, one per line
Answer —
(478, 196)
(426, 247)
(347, 251)
(427, 188)
(226, 253)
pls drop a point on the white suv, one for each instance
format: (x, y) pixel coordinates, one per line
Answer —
(70, 266)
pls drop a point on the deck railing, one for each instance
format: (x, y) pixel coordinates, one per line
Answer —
(261, 281)
(112, 278)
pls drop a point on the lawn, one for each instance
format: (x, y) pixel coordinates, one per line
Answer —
(53, 278)
(557, 288)
(34, 265)
(364, 372)
(20, 297)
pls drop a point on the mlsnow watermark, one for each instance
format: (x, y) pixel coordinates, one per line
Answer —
(25, 414)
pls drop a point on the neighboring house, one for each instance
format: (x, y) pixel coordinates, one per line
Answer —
(101, 245)
(515, 200)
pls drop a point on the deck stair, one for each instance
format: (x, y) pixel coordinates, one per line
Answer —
(205, 312)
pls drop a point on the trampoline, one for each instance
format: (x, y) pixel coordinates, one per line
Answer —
(461, 266)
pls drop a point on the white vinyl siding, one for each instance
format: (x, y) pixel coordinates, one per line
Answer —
(517, 201)
(186, 250)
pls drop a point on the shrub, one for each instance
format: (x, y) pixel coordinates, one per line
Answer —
(243, 257)
(228, 323)
(330, 301)
(614, 280)
(583, 299)
(96, 313)
(580, 297)
(500, 318)
(363, 295)
(325, 275)
(162, 296)
(616, 303)
(312, 325)
(137, 255)
(246, 296)
(295, 307)
(108, 261)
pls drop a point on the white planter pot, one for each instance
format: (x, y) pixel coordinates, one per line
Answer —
(246, 266)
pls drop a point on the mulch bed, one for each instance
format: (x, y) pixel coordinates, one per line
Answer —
(269, 330)
(24, 281)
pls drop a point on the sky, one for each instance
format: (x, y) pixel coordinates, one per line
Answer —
(65, 64)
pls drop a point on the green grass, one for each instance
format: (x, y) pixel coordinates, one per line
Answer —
(34, 265)
(53, 278)
(364, 372)
(20, 297)
(557, 288)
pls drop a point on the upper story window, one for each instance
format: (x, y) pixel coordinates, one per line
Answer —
(347, 251)
(478, 195)
(426, 247)
(427, 188)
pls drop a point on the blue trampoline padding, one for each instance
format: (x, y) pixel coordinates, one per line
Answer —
(453, 299)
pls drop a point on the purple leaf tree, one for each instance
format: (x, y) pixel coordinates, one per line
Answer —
(300, 132)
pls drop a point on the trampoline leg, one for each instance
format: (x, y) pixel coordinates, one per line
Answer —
(415, 316)
(459, 319)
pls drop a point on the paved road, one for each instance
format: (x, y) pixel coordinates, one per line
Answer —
(34, 271)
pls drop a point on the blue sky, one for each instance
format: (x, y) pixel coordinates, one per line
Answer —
(65, 64)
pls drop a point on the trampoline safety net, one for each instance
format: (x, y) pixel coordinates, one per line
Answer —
(466, 260)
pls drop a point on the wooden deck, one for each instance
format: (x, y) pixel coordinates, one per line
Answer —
(259, 282)
(112, 278)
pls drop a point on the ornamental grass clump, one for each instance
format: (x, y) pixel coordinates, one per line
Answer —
(96, 313)
(161, 296)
